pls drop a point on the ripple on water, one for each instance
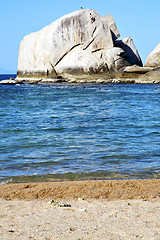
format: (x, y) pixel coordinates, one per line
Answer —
(87, 130)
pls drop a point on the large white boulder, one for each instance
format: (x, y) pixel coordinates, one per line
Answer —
(40, 52)
(153, 59)
(74, 44)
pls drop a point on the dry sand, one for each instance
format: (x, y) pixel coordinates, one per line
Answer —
(99, 210)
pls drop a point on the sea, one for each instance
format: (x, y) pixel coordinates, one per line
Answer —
(63, 131)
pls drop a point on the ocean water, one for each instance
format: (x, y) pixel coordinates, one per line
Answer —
(72, 131)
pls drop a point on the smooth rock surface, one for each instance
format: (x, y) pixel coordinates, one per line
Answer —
(82, 62)
(74, 45)
(112, 25)
(10, 81)
(153, 59)
(132, 55)
(135, 71)
(150, 77)
(138, 69)
(40, 52)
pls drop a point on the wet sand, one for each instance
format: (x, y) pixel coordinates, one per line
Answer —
(91, 189)
(127, 209)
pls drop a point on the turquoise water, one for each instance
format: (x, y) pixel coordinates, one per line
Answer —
(85, 130)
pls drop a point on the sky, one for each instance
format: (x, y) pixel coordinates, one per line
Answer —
(137, 19)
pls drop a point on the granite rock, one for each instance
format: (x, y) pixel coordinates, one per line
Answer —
(150, 77)
(76, 45)
(40, 52)
(132, 55)
(112, 25)
(153, 59)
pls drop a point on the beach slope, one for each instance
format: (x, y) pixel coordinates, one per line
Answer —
(127, 209)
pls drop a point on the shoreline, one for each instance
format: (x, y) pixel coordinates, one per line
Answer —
(85, 189)
(129, 75)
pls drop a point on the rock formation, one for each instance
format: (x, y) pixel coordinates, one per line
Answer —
(76, 45)
(135, 71)
(150, 77)
(153, 59)
(131, 53)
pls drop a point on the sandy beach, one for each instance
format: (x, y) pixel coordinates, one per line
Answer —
(102, 209)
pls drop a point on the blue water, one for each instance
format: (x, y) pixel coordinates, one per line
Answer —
(103, 130)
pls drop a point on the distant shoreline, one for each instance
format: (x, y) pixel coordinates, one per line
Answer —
(8, 73)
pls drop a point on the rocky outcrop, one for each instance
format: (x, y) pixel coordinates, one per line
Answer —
(76, 45)
(135, 71)
(153, 59)
(42, 51)
(150, 77)
(99, 62)
(112, 26)
(131, 53)
(9, 81)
